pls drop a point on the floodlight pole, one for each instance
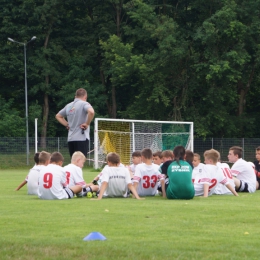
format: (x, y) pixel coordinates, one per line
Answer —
(26, 96)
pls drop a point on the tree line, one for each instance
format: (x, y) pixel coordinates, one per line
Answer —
(178, 60)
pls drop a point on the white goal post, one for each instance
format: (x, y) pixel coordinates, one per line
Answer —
(125, 136)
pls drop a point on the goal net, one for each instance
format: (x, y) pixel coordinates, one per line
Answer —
(126, 136)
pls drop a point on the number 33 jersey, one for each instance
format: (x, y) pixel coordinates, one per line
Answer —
(211, 175)
(52, 179)
(147, 176)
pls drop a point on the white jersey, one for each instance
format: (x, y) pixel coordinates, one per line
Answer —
(222, 189)
(52, 181)
(147, 176)
(33, 179)
(196, 170)
(74, 175)
(118, 179)
(211, 175)
(242, 170)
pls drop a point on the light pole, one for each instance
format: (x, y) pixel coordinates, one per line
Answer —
(26, 101)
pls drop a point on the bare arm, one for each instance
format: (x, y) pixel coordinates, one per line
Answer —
(91, 114)
(206, 190)
(135, 185)
(102, 190)
(62, 120)
(132, 188)
(232, 189)
(21, 185)
(162, 181)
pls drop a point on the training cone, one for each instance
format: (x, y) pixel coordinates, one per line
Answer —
(94, 236)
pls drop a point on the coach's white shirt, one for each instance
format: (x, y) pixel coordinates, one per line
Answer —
(52, 179)
(33, 179)
(244, 171)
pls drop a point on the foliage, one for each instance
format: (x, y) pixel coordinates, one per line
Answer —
(140, 59)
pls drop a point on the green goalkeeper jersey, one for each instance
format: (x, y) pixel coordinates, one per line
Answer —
(180, 181)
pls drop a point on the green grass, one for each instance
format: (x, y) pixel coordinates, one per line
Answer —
(218, 227)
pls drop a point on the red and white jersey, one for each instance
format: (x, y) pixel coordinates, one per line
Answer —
(32, 179)
(242, 170)
(197, 170)
(52, 179)
(221, 189)
(118, 179)
(211, 175)
(147, 176)
(74, 175)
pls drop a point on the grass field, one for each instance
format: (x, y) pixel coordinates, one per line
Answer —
(218, 227)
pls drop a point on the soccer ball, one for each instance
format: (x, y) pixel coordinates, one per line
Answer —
(94, 194)
(89, 194)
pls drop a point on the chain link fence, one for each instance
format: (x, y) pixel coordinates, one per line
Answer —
(13, 149)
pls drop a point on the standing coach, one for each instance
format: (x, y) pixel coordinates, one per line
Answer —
(79, 114)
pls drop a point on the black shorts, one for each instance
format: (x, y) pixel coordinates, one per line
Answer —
(69, 192)
(82, 146)
(243, 187)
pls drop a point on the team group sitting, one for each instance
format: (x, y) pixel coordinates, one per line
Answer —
(173, 175)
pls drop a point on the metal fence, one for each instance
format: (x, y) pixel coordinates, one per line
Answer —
(13, 149)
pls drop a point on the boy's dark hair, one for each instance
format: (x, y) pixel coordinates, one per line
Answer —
(237, 150)
(56, 157)
(44, 157)
(179, 153)
(189, 155)
(147, 153)
(258, 148)
(36, 158)
(113, 158)
(158, 153)
(136, 154)
(167, 154)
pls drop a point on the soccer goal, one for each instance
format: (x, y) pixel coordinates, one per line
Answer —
(124, 136)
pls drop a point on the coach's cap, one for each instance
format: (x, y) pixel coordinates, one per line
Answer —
(94, 236)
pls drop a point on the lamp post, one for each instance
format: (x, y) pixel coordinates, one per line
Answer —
(26, 101)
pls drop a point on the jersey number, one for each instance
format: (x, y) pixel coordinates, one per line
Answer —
(68, 177)
(149, 181)
(47, 179)
(214, 182)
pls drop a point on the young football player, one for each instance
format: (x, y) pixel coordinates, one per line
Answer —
(197, 165)
(257, 167)
(147, 175)
(206, 181)
(75, 176)
(115, 180)
(136, 159)
(53, 181)
(157, 159)
(41, 160)
(243, 173)
(179, 172)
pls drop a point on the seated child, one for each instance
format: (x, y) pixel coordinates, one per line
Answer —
(243, 174)
(197, 165)
(179, 173)
(257, 167)
(146, 175)
(166, 155)
(222, 189)
(157, 158)
(206, 181)
(115, 179)
(53, 181)
(41, 160)
(136, 159)
(189, 157)
(75, 176)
